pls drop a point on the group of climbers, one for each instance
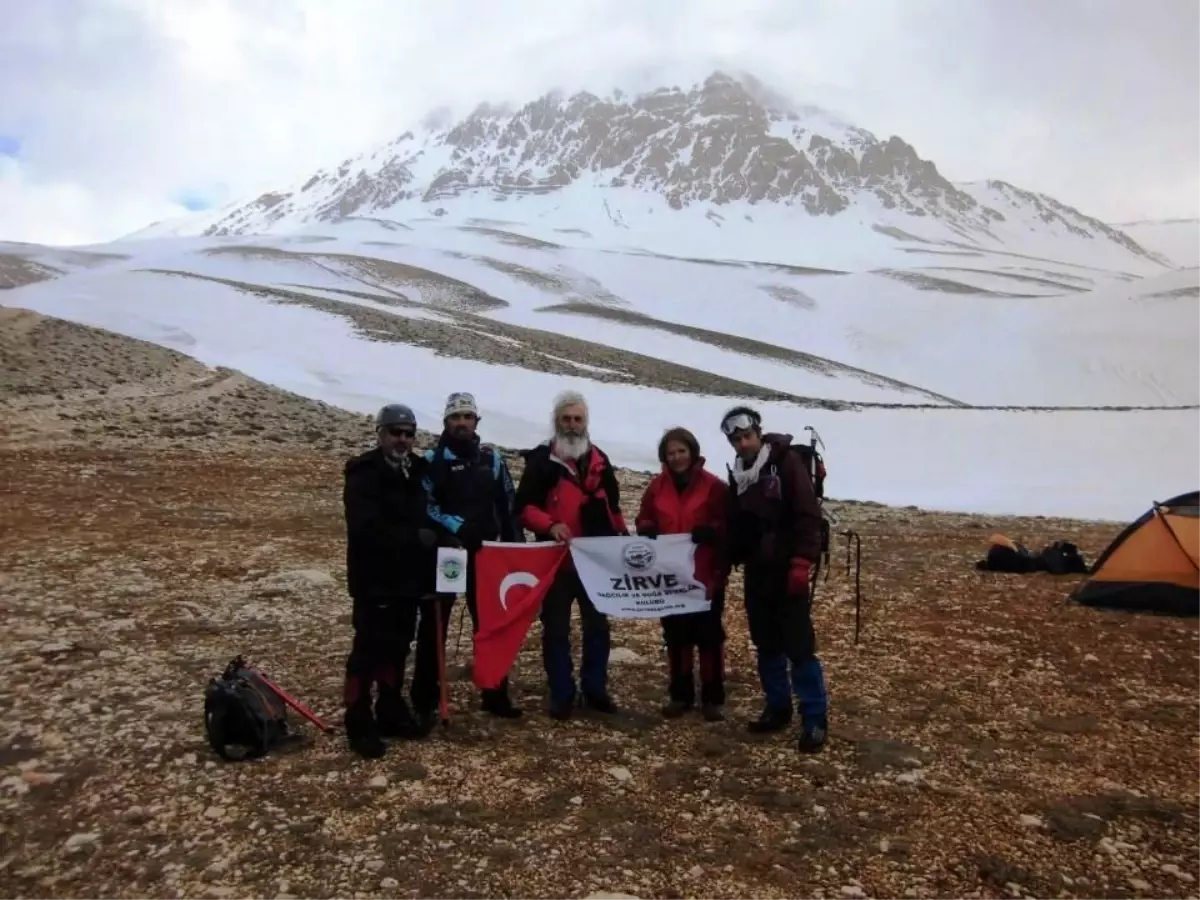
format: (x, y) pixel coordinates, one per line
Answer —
(400, 506)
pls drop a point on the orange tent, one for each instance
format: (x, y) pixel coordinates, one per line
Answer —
(1153, 565)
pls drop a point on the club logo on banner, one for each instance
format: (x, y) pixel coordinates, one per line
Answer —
(635, 578)
(451, 570)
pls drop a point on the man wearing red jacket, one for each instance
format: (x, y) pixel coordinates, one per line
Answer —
(775, 533)
(569, 489)
(686, 498)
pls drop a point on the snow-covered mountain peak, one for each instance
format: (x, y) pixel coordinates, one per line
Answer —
(726, 149)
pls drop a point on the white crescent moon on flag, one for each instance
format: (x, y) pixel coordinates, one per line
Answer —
(511, 580)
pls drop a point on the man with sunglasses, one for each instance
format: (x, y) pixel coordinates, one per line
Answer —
(471, 498)
(775, 534)
(390, 559)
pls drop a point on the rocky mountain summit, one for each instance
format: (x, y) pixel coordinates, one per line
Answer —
(725, 141)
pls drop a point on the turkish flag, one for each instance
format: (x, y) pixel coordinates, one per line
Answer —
(511, 580)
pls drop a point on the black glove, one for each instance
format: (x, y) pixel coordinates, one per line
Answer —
(427, 537)
(704, 534)
(649, 533)
(468, 535)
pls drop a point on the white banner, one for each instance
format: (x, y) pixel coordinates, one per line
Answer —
(635, 578)
(451, 570)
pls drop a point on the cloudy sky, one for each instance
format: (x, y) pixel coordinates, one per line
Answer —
(114, 113)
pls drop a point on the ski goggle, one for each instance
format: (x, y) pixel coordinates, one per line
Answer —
(740, 422)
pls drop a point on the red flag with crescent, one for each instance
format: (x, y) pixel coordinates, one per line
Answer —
(511, 580)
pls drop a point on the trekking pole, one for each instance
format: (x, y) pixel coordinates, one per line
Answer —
(851, 534)
(458, 640)
(291, 701)
(443, 688)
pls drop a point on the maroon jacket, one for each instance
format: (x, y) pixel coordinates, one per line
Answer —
(777, 518)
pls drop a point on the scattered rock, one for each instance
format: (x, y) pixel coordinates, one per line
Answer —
(625, 656)
(81, 841)
(621, 774)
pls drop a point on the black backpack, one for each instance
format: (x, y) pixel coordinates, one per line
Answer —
(1058, 558)
(814, 465)
(1063, 558)
(241, 710)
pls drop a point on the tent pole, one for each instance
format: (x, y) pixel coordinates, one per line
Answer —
(1178, 543)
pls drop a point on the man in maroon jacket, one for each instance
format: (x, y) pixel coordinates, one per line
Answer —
(775, 534)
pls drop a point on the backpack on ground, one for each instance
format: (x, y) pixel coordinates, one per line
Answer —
(242, 711)
(1007, 555)
(1063, 558)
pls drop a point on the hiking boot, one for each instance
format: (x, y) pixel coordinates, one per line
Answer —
(424, 721)
(771, 720)
(813, 735)
(362, 733)
(675, 709)
(562, 710)
(601, 703)
(712, 712)
(498, 703)
(393, 718)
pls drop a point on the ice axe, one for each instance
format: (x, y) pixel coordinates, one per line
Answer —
(814, 441)
(443, 688)
(289, 699)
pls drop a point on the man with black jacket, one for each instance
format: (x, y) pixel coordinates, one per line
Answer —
(471, 499)
(389, 567)
(775, 534)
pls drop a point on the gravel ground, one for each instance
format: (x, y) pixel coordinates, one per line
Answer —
(988, 739)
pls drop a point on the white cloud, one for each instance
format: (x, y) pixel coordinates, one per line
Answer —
(122, 107)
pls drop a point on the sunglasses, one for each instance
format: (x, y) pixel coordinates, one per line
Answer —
(399, 431)
(740, 422)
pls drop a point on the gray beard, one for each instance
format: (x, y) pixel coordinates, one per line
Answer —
(398, 460)
(571, 446)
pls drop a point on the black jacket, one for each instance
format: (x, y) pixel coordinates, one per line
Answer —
(384, 510)
(474, 489)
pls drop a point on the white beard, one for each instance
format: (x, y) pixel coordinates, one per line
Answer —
(570, 446)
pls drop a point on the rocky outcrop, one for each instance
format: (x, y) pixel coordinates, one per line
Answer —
(724, 141)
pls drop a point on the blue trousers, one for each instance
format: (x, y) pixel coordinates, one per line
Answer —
(781, 628)
(556, 641)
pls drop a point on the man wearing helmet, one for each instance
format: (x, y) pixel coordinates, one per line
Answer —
(389, 566)
(775, 534)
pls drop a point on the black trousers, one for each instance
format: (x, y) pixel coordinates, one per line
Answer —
(778, 623)
(383, 630)
(699, 634)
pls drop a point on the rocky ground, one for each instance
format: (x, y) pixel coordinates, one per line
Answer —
(988, 739)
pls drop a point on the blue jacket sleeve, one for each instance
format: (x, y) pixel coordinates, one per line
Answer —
(447, 521)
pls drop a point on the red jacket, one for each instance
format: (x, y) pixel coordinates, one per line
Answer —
(704, 501)
(552, 492)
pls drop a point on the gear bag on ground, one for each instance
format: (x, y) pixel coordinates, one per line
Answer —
(241, 711)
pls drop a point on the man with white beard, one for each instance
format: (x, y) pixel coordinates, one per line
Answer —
(569, 489)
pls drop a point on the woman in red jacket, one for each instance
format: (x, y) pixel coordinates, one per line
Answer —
(686, 498)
